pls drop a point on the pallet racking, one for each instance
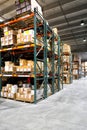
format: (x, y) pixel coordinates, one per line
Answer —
(66, 69)
(36, 51)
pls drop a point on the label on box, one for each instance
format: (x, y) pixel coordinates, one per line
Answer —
(6, 33)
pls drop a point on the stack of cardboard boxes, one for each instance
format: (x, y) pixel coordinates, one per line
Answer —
(9, 67)
(9, 91)
(24, 66)
(84, 68)
(13, 37)
(9, 37)
(66, 49)
(66, 63)
(13, 92)
(76, 66)
(26, 36)
(27, 5)
(25, 94)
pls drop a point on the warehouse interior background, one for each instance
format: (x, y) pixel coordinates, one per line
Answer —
(30, 96)
(66, 15)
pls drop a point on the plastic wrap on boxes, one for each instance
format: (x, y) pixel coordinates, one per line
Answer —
(14, 89)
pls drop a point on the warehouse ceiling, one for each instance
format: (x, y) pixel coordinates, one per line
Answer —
(66, 15)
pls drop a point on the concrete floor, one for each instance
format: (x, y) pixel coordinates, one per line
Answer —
(66, 110)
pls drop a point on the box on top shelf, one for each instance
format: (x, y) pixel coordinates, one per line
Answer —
(6, 29)
(27, 5)
(55, 30)
(75, 57)
(66, 59)
(66, 49)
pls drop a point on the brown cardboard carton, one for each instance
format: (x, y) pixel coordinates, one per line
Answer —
(2, 39)
(5, 94)
(6, 29)
(12, 32)
(27, 90)
(2, 94)
(66, 48)
(22, 62)
(21, 90)
(19, 31)
(55, 30)
(17, 95)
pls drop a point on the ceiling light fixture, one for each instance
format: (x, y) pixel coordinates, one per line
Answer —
(84, 40)
(82, 23)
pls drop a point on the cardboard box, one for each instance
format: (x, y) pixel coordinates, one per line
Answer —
(2, 39)
(20, 40)
(6, 33)
(55, 30)
(2, 94)
(19, 35)
(18, 95)
(20, 90)
(19, 11)
(8, 63)
(6, 38)
(6, 43)
(75, 57)
(12, 32)
(29, 98)
(6, 29)
(19, 31)
(66, 49)
(2, 43)
(12, 42)
(10, 68)
(27, 90)
(23, 62)
(24, 9)
(66, 59)
(27, 69)
(5, 89)
(75, 72)
(75, 66)
(27, 38)
(32, 4)
(22, 5)
(5, 94)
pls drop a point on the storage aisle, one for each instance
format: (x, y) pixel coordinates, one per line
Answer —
(65, 110)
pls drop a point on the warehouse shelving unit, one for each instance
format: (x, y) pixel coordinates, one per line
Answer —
(37, 52)
(76, 67)
(84, 69)
(68, 70)
(61, 63)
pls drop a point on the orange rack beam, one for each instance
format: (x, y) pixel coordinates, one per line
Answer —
(16, 20)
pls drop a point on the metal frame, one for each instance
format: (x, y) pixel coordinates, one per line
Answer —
(58, 63)
(70, 67)
(0, 68)
(44, 46)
